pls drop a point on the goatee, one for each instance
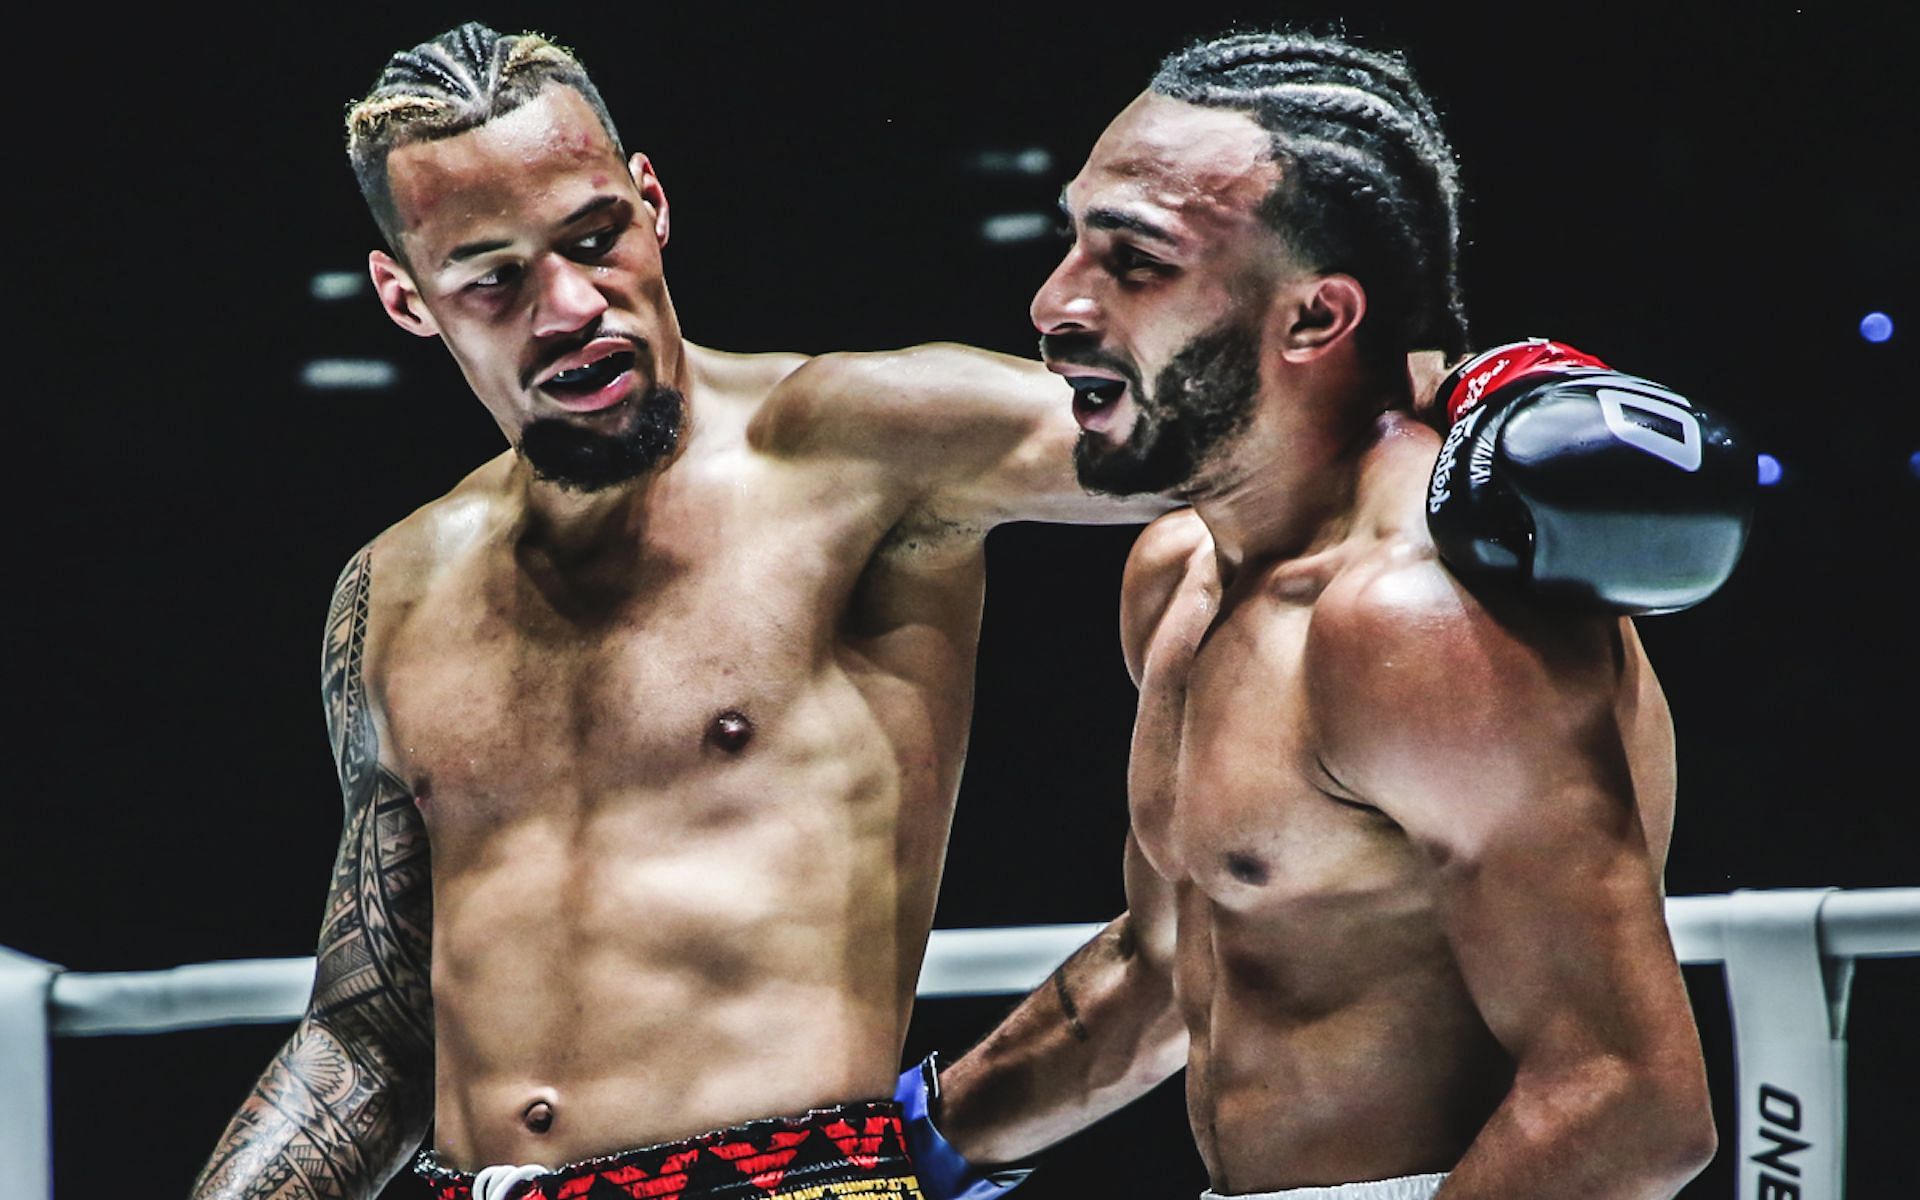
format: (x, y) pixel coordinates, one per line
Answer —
(586, 460)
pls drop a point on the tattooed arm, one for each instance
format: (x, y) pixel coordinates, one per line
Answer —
(348, 1098)
(1104, 1029)
(1099, 1033)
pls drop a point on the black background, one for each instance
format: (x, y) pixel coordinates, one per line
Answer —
(1713, 201)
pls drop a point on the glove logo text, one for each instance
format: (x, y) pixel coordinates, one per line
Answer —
(1437, 487)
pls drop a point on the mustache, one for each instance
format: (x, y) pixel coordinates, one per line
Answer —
(560, 350)
(1083, 350)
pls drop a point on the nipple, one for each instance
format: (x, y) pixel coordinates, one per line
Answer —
(1246, 868)
(538, 1116)
(730, 731)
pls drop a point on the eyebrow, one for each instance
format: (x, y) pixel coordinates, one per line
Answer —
(467, 250)
(1114, 218)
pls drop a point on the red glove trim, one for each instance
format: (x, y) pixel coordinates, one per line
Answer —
(1501, 365)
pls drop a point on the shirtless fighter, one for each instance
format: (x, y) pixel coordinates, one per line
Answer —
(1394, 875)
(677, 691)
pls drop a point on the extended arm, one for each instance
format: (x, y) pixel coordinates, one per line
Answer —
(1104, 1028)
(349, 1096)
(1099, 1033)
(969, 439)
(1532, 762)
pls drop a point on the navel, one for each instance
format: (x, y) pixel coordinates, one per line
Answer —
(730, 731)
(538, 1116)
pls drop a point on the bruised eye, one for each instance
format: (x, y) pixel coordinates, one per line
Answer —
(501, 276)
(596, 244)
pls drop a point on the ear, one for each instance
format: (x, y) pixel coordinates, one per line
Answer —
(399, 296)
(654, 196)
(1320, 314)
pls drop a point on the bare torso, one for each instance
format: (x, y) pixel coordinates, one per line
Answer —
(1332, 1036)
(686, 806)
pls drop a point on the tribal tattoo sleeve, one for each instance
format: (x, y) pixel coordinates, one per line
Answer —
(348, 1098)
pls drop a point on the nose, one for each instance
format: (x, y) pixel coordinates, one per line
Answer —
(1065, 302)
(566, 300)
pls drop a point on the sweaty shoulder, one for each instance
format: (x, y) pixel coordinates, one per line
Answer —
(1419, 687)
(743, 386)
(410, 556)
(1159, 561)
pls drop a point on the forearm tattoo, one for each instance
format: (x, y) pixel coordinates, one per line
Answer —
(1067, 1006)
(348, 1097)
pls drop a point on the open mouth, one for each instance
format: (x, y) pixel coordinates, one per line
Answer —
(584, 381)
(1094, 395)
(594, 385)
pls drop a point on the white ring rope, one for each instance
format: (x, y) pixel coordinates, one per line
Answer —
(1873, 922)
(250, 992)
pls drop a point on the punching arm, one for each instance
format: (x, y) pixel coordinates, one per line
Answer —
(1099, 1033)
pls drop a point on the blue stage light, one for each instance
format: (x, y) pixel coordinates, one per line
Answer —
(1771, 471)
(1876, 327)
(1913, 463)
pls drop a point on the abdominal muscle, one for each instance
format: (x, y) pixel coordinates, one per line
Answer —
(647, 977)
(1330, 1046)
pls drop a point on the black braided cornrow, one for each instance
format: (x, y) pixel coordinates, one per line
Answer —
(1369, 186)
(443, 87)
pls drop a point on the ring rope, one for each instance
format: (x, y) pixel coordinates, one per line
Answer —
(1868, 922)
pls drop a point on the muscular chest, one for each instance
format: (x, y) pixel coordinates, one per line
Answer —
(1228, 791)
(512, 684)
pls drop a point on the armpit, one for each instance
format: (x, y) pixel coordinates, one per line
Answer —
(921, 533)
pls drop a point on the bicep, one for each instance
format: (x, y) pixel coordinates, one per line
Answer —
(375, 939)
(1502, 748)
(967, 436)
(1556, 922)
(375, 943)
(1016, 419)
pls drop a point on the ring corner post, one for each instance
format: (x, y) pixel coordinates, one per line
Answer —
(26, 1130)
(1789, 1022)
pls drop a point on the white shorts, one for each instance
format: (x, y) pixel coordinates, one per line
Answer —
(1407, 1187)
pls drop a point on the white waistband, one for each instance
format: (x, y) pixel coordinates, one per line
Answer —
(1407, 1187)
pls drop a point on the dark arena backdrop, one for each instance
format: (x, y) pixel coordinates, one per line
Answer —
(1711, 195)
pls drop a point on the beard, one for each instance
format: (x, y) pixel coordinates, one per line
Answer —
(586, 460)
(1201, 400)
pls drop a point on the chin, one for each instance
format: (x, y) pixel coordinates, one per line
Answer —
(1147, 463)
(580, 455)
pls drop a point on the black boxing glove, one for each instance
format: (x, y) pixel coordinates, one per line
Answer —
(1577, 483)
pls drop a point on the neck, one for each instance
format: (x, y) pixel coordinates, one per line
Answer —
(571, 526)
(1288, 486)
(567, 526)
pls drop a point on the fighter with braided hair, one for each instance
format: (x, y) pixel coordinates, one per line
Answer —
(649, 732)
(1394, 872)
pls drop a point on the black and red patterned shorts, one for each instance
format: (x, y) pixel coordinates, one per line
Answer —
(848, 1152)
